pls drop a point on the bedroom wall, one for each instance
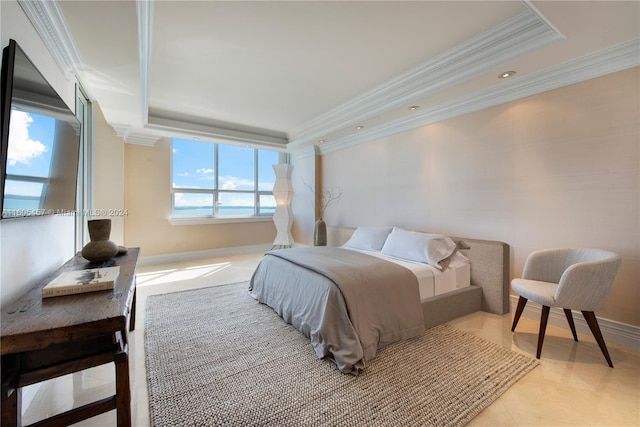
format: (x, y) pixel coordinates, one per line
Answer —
(303, 180)
(32, 248)
(108, 175)
(553, 170)
(147, 197)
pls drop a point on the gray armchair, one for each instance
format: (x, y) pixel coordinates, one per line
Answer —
(578, 279)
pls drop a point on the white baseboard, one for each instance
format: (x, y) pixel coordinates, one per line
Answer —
(208, 253)
(614, 332)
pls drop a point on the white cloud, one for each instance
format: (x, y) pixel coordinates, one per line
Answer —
(21, 147)
(182, 199)
(266, 186)
(205, 174)
(244, 200)
(235, 183)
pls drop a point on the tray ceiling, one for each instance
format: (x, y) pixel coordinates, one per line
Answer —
(291, 75)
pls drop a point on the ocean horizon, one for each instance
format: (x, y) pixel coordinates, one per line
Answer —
(222, 210)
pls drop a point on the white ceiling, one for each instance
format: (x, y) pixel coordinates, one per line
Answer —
(289, 74)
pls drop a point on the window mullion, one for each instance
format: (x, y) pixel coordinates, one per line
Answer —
(216, 194)
(256, 198)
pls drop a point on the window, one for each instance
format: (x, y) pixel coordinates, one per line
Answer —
(84, 113)
(29, 160)
(221, 181)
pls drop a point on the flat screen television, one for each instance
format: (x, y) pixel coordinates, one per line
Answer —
(40, 142)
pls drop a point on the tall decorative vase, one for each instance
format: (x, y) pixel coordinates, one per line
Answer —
(100, 248)
(320, 233)
(283, 217)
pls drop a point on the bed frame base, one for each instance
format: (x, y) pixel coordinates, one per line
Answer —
(443, 308)
(489, 290)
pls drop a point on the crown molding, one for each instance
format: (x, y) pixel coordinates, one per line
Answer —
(150, 133)
(234, 133)
(607, 61)
(145, 30)
(308, 151)
(133, 136)
(50, 25)
(522, 34)
(141, 138)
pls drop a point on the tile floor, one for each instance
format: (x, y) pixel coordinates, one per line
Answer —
(573, 386)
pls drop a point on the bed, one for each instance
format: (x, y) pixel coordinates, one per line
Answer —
(350, 302)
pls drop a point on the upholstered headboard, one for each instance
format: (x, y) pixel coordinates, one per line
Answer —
(489, 267)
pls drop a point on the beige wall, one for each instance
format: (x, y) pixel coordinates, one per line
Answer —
(108, 175)
(552, 170)
(148, 202)
(302, 205)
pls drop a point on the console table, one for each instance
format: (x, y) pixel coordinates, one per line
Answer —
(47, 338)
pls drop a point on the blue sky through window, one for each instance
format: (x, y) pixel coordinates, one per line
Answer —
(194, 164)
(30, 144)
(28, 154)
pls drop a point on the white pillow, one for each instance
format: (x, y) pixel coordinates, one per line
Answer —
(419, 247)
(368, 238)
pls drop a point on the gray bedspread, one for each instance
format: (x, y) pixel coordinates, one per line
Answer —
(348, 303)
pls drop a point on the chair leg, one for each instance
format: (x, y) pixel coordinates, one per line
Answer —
(590, 317)
(521, 303)
(572, 325)
(544, 317)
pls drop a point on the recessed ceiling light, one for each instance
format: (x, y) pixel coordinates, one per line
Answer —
(322, 141)
(359, 127)
(414, 107)
(506, 74)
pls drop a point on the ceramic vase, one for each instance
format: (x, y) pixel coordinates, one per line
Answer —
(100, 248)
(320, 233)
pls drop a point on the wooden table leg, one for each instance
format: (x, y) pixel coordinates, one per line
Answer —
(11, 402)
(132, 316)
(12, 408)
(123, 388)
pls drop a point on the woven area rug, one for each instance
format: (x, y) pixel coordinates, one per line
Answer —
(217, 357)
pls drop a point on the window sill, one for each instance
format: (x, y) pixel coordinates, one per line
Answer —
(224, 220)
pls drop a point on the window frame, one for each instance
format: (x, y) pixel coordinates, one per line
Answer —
(84, 194)
(257, 216)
